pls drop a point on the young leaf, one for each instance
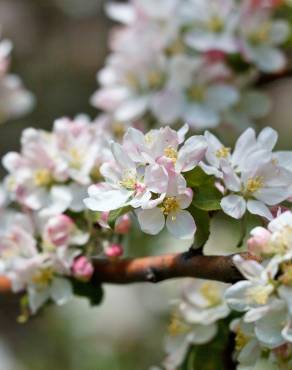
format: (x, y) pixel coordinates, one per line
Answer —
(207, 198)
(197, 177)
(202, 220)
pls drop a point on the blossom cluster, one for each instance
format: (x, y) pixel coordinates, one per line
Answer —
(149, 174)
(47, 237)
(195, 319)
(192, 60)
(265, 297)
(15, 99)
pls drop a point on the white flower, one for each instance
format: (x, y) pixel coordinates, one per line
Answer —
(194, 321)
(214, 25)
(259, 40)
(254, 295)
(170, 212)
(15, 99)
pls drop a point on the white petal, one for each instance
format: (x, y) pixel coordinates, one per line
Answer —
(37, 298)
(233, 205)
(151, 221)
(156, 179)
(259, 208)
(61, 291)
(181, 225)
(221, 97)
(268, 138)
(131, 109)
(107, 199)
(191, 153)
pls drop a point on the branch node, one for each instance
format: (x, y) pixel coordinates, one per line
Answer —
(151, 275)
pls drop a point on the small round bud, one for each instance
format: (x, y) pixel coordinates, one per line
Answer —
(82, 268)
(114, 251)
(123, 224)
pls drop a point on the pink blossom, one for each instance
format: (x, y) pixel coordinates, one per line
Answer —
(114, 251)
(82, 268)
(58, 230)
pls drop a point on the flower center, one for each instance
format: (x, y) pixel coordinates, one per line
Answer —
(196, 93)
(254, 183)
(223, 152)
(43, 177)
(129, 181)
(43, 277)
(286, 277)
(118, 129)
(215, 24)
(155, 79)
(210, 292)
(240, 340)
(259, 294)
(95, 174)
(177, 47)
(171, 153)
(170, 205)
(76, 158)
(177, 326)
(261, 35)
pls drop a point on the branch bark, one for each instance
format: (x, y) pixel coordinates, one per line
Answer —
(158, 268)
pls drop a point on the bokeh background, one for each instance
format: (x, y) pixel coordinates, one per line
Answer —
(59, 45)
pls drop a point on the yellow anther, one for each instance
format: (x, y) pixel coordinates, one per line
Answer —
(210, 292)
(286, 277)
(170, 205)
(171, 153)
(42, 177)
(259, 294)
(43, 277)
(240, 340)
(129, 181)
(223, 152)
(254, 183)
(177, 326)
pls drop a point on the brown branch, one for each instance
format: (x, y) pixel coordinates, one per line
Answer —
(158, 268)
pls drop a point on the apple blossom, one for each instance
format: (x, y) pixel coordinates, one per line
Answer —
(15, 99)
(194, 320)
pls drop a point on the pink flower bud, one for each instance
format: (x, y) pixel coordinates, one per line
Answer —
(58, 230)
(114, 251)
(257, 243)
(82, 268)
(123, 224)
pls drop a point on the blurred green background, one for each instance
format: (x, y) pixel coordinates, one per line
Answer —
(58, 47)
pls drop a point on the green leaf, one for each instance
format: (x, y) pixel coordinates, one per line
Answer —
(207, 198)
(202, 220)
(93, 292)
(197, 177)
(113, 215)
